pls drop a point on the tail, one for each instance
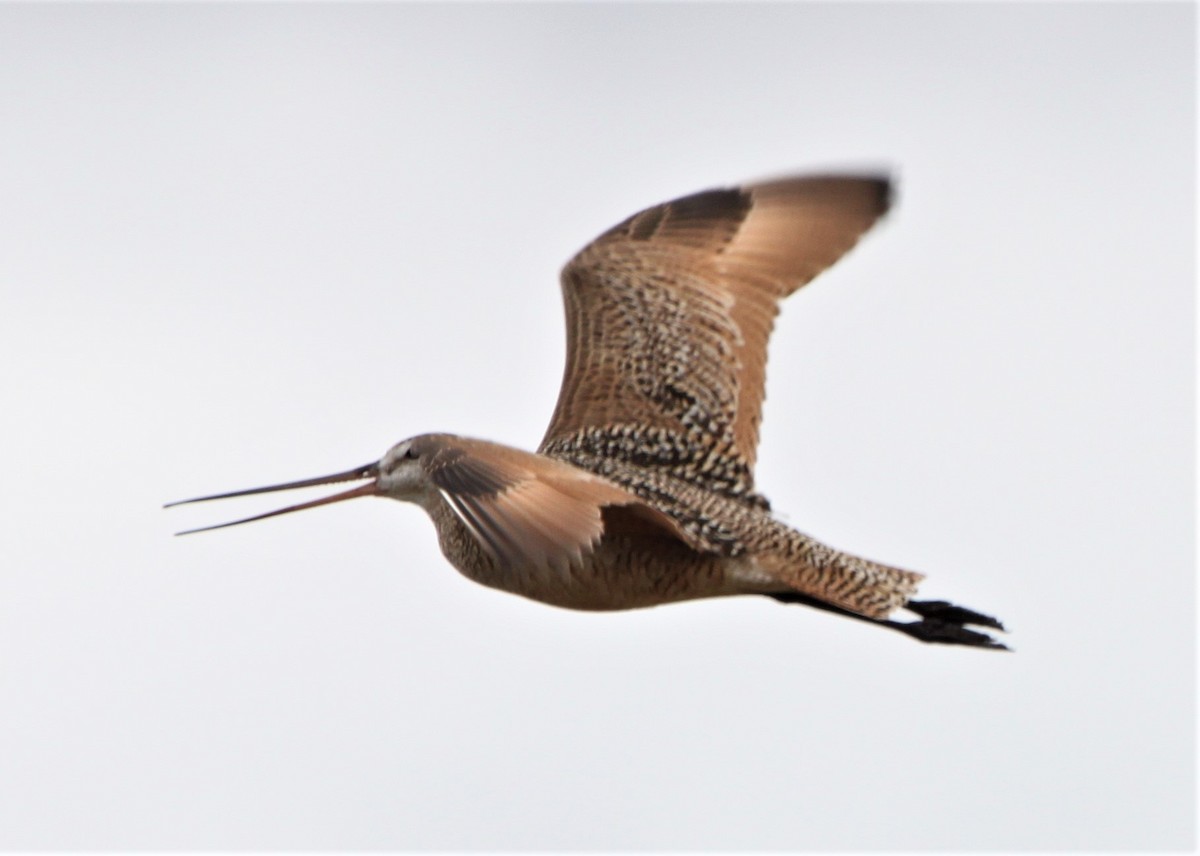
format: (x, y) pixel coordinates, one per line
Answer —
(817, 575)
(941, 622)
(851, 583)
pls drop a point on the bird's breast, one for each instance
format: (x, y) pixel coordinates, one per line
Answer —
(623, 571)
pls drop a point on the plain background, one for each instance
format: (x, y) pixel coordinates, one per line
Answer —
(255, 243)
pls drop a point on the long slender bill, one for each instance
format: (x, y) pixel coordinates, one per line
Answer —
(368, 471)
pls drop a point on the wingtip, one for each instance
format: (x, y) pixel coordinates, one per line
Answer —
(881, 184)
(874, 189)
(885, 192)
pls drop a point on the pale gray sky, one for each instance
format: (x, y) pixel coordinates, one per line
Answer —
(253, 243)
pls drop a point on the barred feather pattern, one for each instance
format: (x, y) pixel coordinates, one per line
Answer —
(694, 458)
(731, 527)
(669, 343)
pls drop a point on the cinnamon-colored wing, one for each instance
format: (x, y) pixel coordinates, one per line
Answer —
(668, 316)
(527, 510)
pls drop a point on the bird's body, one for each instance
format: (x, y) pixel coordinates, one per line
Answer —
(642, 491)
(644, 554)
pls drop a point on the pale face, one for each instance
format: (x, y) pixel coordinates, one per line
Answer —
(401, 475)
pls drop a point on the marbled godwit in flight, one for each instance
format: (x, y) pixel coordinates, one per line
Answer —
(642, 491)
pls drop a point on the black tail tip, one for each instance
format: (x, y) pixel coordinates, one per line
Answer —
(944, 611)
(943, 622)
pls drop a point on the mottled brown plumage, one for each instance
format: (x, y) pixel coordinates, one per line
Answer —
(642, 491)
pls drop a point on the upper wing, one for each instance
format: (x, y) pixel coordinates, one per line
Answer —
(668, 316)
(527, 510)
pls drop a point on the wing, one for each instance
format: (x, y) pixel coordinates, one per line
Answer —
(527, 510)
(668, 316)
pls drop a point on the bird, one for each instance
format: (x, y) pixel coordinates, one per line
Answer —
(642, 491)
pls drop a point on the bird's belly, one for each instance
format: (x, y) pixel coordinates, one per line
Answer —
(623, 572)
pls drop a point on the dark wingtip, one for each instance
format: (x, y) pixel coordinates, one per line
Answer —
(885, 190)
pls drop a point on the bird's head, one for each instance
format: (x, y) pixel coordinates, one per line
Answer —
(402, 472)
(399, 474)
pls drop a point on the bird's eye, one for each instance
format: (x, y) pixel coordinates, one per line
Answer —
(410, 453)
